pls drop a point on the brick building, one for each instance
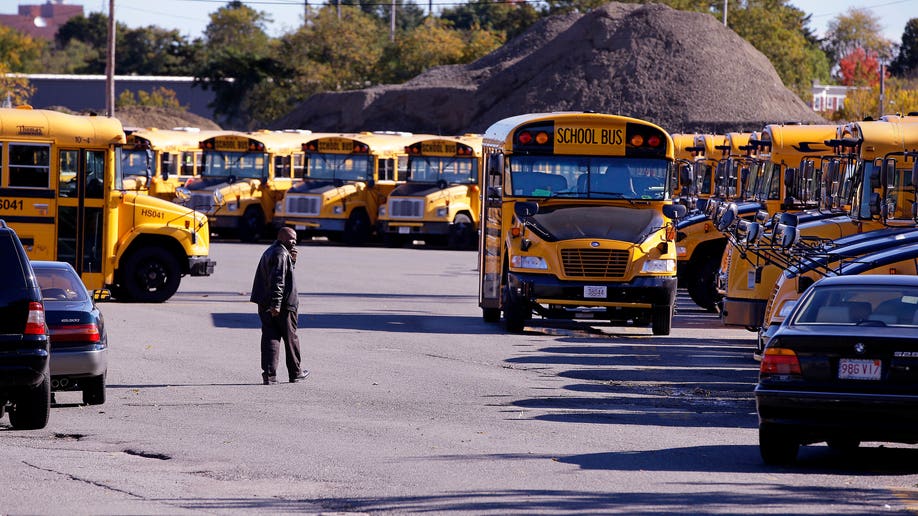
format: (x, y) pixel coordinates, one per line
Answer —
(41, 21)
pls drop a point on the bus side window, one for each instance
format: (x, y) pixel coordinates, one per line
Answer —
(281, 167)
(95, 174)
(298, 160)
(166, 165)
(30, 165)
(187, 164)
(386, 169)
(67, 181)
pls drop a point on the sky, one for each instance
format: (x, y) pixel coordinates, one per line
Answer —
(190, 17)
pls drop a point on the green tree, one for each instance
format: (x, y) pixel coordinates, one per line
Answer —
(239, 59)
(408, 14)
(433, 43)
(857, 28)
(13, 88)
(161, 97)
(155, 51)
(510, 18)
(481, 42)
(18, 51)
(906, 62)
(69, 59)
(779, 31)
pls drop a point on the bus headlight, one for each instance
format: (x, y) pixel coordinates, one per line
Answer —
(528, 262)
(382, 211)
(278, 206)
(442, 212)
(218, 198)
(658, 266)
(338, 210)
(681, 251)
(232, 206)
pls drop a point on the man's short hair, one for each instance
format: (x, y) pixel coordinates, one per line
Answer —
(286, 233)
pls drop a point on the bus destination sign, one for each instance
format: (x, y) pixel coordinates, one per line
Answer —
(336, 145)
(438, 148)
(231, 143)
(606, 140)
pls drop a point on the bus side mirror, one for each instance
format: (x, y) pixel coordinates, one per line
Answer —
(494, 167)
(495, 192)
(727, 218)
(685, 176)
(702, 205)
(790, 237)
(915, 174)
(789, 177)
(875, 204)
(761, 216)
(525, 209)
(874, 178)
(371, 183)
(674, 211)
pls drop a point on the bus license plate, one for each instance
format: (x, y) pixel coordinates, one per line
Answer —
(594, 291)
(404, 230)
(857, 369)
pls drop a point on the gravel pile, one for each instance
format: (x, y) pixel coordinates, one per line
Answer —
(683, 70)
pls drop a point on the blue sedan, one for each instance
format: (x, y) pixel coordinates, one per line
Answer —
(79, 345)
(842, 368)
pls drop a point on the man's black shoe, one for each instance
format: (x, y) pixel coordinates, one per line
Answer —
(302, 376)
(267, 380)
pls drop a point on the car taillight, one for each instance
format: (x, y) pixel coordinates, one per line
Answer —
(779, 361)
(76, 333)
(35, 323)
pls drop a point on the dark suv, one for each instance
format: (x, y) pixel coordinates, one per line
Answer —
(25, 377)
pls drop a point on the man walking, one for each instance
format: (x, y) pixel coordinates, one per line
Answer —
(274, 290)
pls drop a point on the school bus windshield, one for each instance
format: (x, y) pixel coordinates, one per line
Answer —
(345, 167)
(250, 165)
(430, 169)
(583, 177)
(134, 162)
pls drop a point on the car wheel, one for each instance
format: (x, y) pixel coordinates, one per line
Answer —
(94, 390)
(490, 315)
(251, 225)
(515, 315)
(33, 407)
(151, 275)
(777, 446)
(661, 321)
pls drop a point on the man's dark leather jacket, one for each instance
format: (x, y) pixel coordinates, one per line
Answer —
(274, 286)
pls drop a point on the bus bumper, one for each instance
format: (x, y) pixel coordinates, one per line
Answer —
(414, 228)
(201, 266)
(747, 313)
(624, 298)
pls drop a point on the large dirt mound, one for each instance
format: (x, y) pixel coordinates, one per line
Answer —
(682, 70)
(161, 118)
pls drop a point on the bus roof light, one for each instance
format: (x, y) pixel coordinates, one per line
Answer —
(525, 138)
(542, 138)
(637, 140)
(654, 141)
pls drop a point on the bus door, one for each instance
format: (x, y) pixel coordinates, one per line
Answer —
(491, 252)
(80, 212)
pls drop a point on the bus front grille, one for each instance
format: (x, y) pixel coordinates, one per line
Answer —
(406, 208)
(595, 263)
(203, 202)
(303, 204)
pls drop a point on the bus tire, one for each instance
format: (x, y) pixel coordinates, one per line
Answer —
(357, 228)
(94, 390)
(33, 407)
(462, 234)
(661, 320)
(490, 315)
(515, 315)
(151, 275)
(702, 287)
(252, 224)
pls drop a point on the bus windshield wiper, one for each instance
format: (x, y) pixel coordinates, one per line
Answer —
(614, 195)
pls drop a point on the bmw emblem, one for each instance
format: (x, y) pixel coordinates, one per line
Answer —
(594, 244)
(859, 348)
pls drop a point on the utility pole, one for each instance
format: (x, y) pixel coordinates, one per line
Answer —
(882, 89)
(110, 62)
(339, 10)
(725, 12)
(392, 23)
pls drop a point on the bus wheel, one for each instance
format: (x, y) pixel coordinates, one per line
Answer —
(151, 275)
(490, 315)
(515, 315)
(357, 228)
(462, 234)
(661, 320)
(701, 287)
(251, 225)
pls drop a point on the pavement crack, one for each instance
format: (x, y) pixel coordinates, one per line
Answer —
(84, 480)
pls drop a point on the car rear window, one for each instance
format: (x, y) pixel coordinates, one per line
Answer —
(879, 305)
(58, 284)
(14, 276)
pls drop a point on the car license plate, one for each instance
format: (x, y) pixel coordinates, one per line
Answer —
(404, 230)
(300, 227)
(594, 291)
(858, 369)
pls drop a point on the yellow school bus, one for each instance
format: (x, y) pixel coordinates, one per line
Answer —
(61, 189)
(348, 177)
(699, 245)
(577, 220)
(439, 200)
(157, 161)
(785, 181)
(243, 177)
